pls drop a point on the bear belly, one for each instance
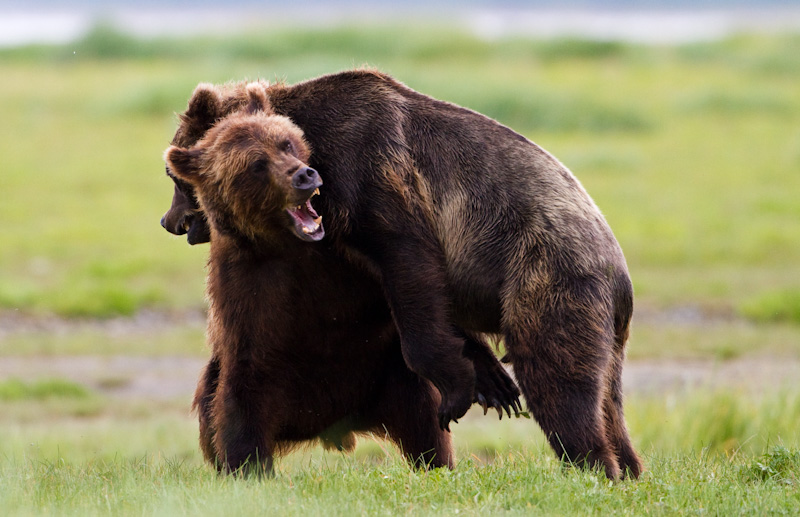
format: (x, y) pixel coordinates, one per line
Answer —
(476, 306)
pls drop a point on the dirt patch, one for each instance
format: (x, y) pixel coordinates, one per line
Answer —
(173, 377)
(753, 375)
(163, 378)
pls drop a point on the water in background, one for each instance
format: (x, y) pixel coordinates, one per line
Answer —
(673, 21)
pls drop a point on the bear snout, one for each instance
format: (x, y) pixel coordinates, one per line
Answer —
(177, 222)
(306, 178)
(174, 222)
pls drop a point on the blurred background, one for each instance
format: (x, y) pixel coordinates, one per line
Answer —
(682, 120)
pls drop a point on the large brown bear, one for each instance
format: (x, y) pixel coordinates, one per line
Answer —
(467, 223)
(335, 336)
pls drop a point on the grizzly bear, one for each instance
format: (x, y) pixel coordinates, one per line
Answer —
(365, 386)
(467, 224)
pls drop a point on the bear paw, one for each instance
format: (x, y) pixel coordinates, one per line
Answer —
(453, 407)
(495, 388)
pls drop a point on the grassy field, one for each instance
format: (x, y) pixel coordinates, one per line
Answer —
(692, 153)
(69, 450)
(513, 484)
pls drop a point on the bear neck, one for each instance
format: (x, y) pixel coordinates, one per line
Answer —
(234, 246)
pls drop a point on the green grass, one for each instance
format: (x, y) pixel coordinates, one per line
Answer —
(18, 390)
(144, 459)
(25, 402)
(516, 484)
(781, 305)
(691, 152)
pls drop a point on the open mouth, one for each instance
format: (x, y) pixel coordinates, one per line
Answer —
(307, 223)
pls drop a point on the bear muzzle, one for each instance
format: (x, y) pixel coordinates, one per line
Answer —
(192, 223)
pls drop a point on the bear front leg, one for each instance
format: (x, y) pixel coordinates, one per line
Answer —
(239, 417)
(412, 274)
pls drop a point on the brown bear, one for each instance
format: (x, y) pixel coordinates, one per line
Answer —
(468, 224)
(366, 387)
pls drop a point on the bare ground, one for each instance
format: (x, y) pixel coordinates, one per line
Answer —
(165, 378)
(172, 377)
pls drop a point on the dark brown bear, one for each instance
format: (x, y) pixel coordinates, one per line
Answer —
(288, 363)
(468, 224)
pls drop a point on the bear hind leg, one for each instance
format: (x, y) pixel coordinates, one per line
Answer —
(616, 429)
(571, 417)
(409, 416)
(241, 437)
(560, 355)
(203, 400)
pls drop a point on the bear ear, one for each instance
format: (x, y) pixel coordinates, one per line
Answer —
(257, 99)
(184, 163)
(204, 107)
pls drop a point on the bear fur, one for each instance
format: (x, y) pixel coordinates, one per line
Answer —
(342, 352)
(467, 224)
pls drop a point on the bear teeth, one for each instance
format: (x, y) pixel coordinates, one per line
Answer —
(316, 192)
(314, 228)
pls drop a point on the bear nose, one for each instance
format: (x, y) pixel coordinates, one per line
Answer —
(306, 178)
(163, 222)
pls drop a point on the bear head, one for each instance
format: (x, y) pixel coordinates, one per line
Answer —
(250, 175)
(207, 104)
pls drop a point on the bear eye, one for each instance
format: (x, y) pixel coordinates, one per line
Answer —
(287, 147)
(257, 166)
